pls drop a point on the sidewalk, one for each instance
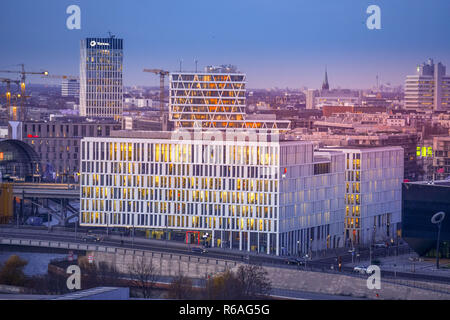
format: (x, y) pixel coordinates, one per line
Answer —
(410, 263)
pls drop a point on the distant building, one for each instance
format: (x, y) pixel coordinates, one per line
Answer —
(441, 158)
(70, 88)
(310, 98)
(396, 121)
(139, 102)
(58, 143)
(329, 110)
(429, 89)
(101, 84)
(316, 99)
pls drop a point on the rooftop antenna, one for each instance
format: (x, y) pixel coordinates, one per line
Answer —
(181, 61)
(111, 35)
(196, 62)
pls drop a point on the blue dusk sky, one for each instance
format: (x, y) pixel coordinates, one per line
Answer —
(277, 43)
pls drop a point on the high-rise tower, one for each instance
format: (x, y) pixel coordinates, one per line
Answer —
(101, 86)
(429, 89)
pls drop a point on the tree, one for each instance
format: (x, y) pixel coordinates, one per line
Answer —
(253, 281)
(181, 288)
(248, 282)
(224, 286)
(107, 274)
(50, 283)
(11, 273)
(101, 274)
(143, 276)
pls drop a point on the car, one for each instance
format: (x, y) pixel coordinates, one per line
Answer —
(297, 261)
(198, 250)
(380, 245)
(91, 237)
(34, 221)
(360, 269)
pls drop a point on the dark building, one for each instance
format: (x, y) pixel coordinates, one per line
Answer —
(420, 201)
(57, 143)
(18, 161)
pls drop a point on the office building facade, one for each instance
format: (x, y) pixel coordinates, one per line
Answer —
(441, 157)
(101, 83)
(70, 88)
(215, 99)
(429, 89)
(58, 143)
(373, 180)
(239, 192)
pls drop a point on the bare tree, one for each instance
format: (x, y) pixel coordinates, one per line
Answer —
(107, 274)
(248, 282)
(254, 281)
(143, 275)
(181, 288)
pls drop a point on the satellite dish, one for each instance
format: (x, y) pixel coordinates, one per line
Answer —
(438, 217)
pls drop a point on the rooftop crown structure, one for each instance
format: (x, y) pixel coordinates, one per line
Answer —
(214, 98)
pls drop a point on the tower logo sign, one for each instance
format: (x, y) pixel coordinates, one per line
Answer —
(95, 43)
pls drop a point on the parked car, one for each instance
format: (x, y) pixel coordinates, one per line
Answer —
(360, 269)
(380, 245)
(198, 250)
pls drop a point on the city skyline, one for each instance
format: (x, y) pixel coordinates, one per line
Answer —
(285, 44)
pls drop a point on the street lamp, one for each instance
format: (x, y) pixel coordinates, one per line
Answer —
(437, 219)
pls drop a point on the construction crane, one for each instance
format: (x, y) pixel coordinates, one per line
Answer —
(23, 96)
(8, 93)
(162, 74)
(54, 76)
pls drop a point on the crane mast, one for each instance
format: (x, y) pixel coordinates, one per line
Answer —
(23, 96)
(162, 74)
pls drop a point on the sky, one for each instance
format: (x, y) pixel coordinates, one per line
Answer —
(277, 43)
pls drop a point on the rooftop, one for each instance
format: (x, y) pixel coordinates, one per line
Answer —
(207, 135)
(441, 183)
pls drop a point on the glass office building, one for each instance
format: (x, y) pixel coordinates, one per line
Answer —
(256, 195)
(101, 84)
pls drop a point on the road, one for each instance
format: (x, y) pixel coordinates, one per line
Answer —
(318, 265)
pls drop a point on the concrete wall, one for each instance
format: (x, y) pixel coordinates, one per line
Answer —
(165, 264)
(328, 283)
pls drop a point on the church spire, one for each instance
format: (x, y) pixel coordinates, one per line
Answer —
(325, 85)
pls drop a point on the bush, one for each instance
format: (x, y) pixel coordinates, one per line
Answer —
(11, 273)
